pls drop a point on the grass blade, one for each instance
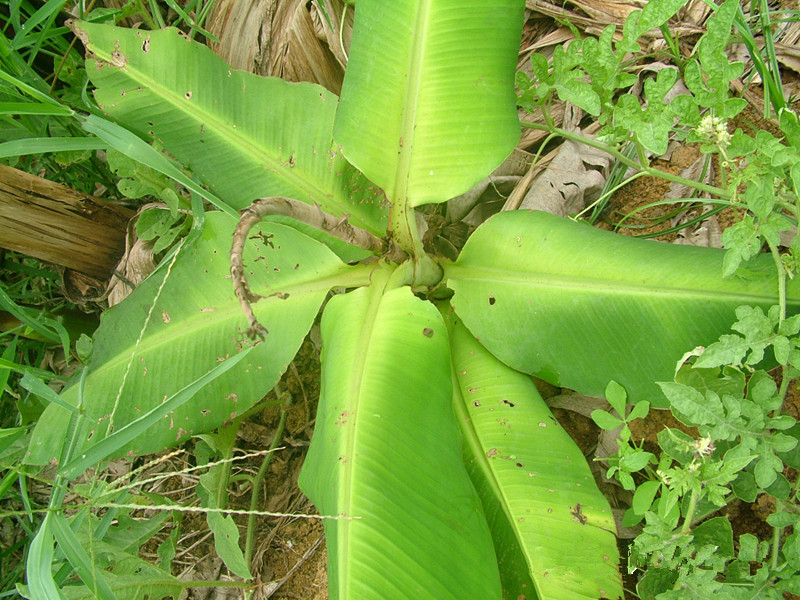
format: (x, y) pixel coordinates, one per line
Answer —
(8, 365)
(36, 386)
(42, 145)
(139, 150)
(33, 108)
(137, 428)
(28, 89)
(79, 559)
(48, 328)
(40, 559)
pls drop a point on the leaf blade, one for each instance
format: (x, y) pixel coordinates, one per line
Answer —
(386, 452)
(213, 118)
(167, 334)
(536, 487)
(624, 309)
(433, 87)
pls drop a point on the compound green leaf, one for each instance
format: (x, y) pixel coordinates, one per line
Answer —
(386, 457)
(428, 106)
(539, 495)
(183, 321)
(579, 307)
(243, 135)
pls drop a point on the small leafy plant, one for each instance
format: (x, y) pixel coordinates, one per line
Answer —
(436, 466)
(742, 447)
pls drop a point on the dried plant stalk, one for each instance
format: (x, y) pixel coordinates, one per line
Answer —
(305, 213)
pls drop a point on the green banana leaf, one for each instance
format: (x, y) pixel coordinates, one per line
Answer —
(386, 457)
(579, 307)
(243, 135)
(184, 320)
(428, 106)
(539, 495)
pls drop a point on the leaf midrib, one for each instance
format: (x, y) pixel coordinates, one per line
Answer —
(407, 129)
(582, 283)
(375, 296)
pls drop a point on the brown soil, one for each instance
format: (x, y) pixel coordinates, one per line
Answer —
(292, 543)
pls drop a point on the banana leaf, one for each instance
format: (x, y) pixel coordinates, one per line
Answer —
(428, 106)
(578, 307)
(539, 495)
(386, 457)
(184, 320)
(243, 135)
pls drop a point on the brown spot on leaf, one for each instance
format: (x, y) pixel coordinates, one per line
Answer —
(427, 332)
(118, 59)
(577, 514)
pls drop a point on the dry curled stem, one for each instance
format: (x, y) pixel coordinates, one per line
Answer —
(305, 213)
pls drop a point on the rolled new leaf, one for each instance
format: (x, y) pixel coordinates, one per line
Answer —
(579, 307)
(182, 322)
(386, 457)
(539, 495)
(243, 135)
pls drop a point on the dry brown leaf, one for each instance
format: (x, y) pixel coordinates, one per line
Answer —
(239, 25)
(134, 267)
(512, 169)
(577, 403)
(609, 12)
(566, 186)
(295, 51)
(289, 39)
(695, 12)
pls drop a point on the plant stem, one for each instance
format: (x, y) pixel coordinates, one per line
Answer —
(403, 228)
(687, 524)
(221, 583)
(259, 479)
(647, 169)
(776, 256)
(687, 521)
(674, 48)
(776, 546)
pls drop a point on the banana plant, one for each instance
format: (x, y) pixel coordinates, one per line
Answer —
(437, 467)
